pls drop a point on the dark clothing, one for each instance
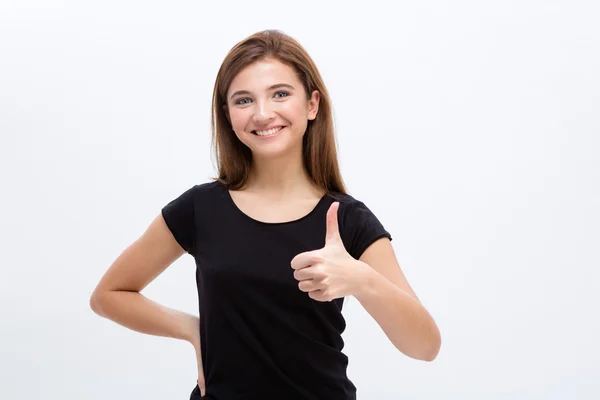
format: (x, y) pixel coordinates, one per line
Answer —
(261, 336)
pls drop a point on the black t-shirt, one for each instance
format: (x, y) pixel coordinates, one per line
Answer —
(261, 336)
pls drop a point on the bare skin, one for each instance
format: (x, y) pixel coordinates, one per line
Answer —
(117, 296)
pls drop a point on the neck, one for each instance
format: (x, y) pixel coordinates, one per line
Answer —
(280, 176)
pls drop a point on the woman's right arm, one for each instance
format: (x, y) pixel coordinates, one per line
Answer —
(117, 296)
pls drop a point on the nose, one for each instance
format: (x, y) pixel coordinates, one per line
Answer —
(264, 113)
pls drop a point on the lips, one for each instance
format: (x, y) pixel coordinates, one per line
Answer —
(268, 131)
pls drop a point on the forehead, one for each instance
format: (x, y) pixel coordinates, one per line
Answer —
(263, 73)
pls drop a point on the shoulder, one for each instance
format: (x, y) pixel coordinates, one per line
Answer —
(344, 199)
(207, 187)
(183, 213)
(203, 189)
(189, 200)
(348, 204)
(358, 224)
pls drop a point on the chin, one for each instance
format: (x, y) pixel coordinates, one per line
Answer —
(276, 150)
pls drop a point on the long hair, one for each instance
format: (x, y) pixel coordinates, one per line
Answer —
(319, 151)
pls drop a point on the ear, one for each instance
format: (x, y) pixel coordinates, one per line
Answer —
(313, 105)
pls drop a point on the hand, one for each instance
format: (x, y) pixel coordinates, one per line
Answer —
(329, 273)
(195, 341)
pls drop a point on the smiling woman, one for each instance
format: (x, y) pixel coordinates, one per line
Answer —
(258, 106)
(266, 81)
(278, 244)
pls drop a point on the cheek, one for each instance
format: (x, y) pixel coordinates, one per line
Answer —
(239, 120)
(298, 115)
(294, 110)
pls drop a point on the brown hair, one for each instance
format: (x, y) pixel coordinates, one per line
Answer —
(318, 146)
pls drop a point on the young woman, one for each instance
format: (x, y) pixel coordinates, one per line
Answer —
(278, 243)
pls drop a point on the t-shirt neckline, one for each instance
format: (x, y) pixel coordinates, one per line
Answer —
(239, 210)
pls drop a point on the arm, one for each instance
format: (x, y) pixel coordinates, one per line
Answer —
(389, 299)
(117, 295)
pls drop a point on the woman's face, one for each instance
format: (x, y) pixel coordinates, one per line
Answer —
(268, 107)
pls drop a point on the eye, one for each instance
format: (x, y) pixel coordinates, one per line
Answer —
(285, 94)
(242, 101)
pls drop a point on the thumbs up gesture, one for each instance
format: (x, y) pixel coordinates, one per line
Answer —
(329, 273)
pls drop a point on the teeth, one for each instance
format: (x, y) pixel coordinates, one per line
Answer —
(269, 132)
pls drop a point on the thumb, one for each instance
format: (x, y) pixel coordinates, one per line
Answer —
(332, 232)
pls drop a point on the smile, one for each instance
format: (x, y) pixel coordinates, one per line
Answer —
(268, 132)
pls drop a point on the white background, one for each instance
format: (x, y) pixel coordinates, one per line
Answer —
(469, 128)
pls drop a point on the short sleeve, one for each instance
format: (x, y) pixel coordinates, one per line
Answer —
(360, 228)
(180, 218)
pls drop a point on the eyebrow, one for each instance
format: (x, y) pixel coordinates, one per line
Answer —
(272, 87)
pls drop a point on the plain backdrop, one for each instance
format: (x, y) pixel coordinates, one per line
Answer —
(471, 129)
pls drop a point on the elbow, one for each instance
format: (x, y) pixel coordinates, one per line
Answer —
(431, 354)
(95, 302)
(426, 349)
(426, 345)
(433, 346)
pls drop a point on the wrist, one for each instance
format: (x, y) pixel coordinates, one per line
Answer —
(190, 328)
(365, 279)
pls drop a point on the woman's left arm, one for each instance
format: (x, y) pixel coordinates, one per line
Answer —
(387, 296)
